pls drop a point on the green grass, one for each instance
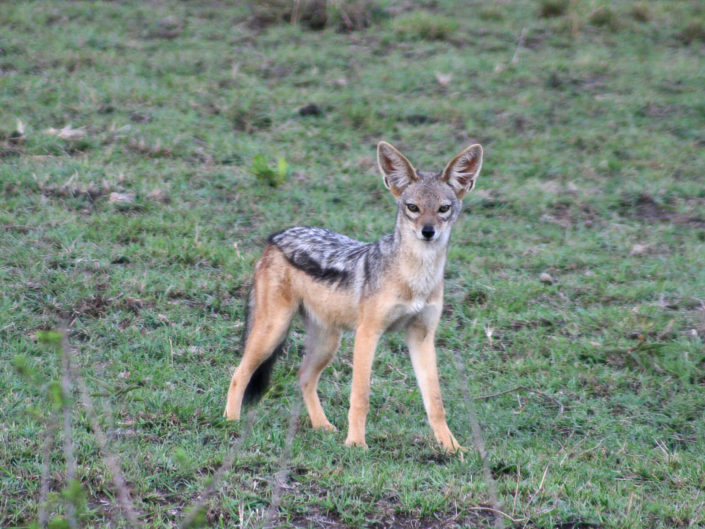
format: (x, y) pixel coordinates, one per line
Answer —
(141, 232)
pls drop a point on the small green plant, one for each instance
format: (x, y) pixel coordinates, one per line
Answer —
(425, 25)
(49, 338)
(266, 174)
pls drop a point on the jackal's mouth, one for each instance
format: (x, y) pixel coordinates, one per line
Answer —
(427, 239)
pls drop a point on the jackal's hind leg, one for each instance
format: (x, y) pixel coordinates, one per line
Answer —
(271, 320)
(321, 346)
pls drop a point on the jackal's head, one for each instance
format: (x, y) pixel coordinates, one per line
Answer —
(429, 203)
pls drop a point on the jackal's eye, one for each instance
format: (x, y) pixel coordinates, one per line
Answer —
(444, 208)
(413, 208)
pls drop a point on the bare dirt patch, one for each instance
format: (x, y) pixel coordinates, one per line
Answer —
(389, 518)
(92, 306)
(645, 208)
(568, 214)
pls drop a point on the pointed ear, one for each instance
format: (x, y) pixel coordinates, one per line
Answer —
(463, 170)
(397, 172)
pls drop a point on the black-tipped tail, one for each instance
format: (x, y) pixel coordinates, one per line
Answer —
(259, 382)
(260, 378)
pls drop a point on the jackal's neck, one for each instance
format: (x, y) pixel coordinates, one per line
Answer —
(417, 261)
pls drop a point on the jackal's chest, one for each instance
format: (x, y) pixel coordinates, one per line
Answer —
(401, 314)
(411, 302)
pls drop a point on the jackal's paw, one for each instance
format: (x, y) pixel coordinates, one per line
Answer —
(353, 442)
(455, 449)
(326, 426)
(459, 451)
(452, 446)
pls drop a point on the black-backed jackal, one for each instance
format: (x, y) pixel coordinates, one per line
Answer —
(338, 284)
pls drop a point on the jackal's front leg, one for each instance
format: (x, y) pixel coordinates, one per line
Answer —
(420, 340)
(366, 339)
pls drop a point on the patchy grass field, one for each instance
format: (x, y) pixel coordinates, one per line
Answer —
(139, 149)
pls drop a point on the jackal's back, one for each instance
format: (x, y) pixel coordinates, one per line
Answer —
(333, 258)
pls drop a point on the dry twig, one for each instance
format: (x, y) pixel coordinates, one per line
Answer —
(523, 388)
(496, 511)
(520, 44)
(220, 473)
(284, 466)
(49, 438)
(111, 461)
(69, 455)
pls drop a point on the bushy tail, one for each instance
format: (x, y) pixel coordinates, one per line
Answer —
(260, 378)
(259, 382)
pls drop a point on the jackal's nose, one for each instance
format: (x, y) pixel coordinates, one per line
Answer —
(428, 232)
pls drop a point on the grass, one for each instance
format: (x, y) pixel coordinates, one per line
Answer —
(140, 223)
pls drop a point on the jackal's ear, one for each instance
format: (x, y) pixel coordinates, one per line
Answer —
(397, 172)
(463, 170)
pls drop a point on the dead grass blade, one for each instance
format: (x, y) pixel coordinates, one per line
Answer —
(524, 388)
(479, 444)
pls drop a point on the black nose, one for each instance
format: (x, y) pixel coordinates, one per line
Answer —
(428, 231)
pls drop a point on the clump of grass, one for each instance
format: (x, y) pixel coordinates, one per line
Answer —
(250, 115)
(640, 12)
(354, 15)
(266, 174)
(318, 14)
(311, 13)
(358, 116)
(603, 17)
(425, 25)
(491, 12)
(695, 30)
(553, 8)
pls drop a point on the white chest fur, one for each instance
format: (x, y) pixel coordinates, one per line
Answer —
(420, 275)
(422, 271)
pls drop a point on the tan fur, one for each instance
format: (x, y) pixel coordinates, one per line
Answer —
(409, 298)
